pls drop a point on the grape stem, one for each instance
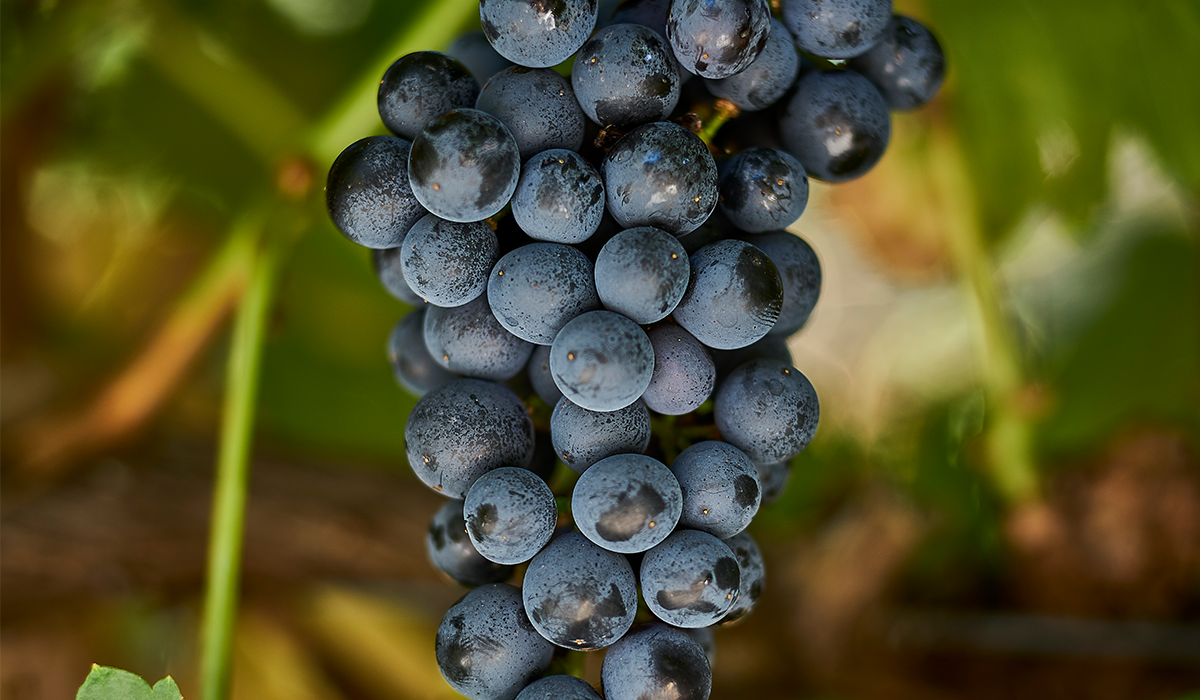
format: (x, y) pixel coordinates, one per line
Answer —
(723, 111)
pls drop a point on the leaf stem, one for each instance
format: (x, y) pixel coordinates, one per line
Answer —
(233, 469)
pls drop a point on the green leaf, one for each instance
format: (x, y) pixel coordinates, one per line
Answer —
(106, 683)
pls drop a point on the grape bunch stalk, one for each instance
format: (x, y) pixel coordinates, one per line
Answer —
(602, 307)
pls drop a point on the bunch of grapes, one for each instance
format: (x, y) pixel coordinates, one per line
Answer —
(593, 287)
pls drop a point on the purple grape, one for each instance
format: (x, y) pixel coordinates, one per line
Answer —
(447, 263)
(451, 551)
(582, 437)
(721, 494)
(718, 38)
(413, 366)
(420, 86)
(768, 410)
(468, 340)
(656, 662)
(368, 193)
(691, 579)
(510, 515)
(627, 503)
(602, 361)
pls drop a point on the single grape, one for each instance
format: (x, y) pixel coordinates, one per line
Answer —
(661, 175)
(602, 361)
(753, 574)
(368, 193)
(684, 374)
(720, 488)
(625, 75)
(578, 595)
(768, 77)
(447, 262)
(536, 289)
(537, 106)
(537, 33)
(763, 189)
(837, 125)
(627, 503)
(800, 272)
(718, 38)
(420, 86)
(468, 340)
(767, 409)
(451, 551)
(413, 366)
(642, 274)
(510, 514)
(734, 297)
(691, 579)
(559, 198)
(539, 375)
(464, 165)
(582, 437)
(486, 649)
(907, 64)
(464, 429)
(474, 51)
(656, 662)
(773, 478)
(836, 28)
(559, 688)
(386, 262)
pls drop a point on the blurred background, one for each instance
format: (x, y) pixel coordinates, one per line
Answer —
(1003, 498)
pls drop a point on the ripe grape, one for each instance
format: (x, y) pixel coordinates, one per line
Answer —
(510, 515)
(559, 198)
(767, 409)
(753, 574)
(413, 366)
(661, 175)
(602, 361)
(420, 86)
(763, 189)
(642, 274)
(464, 165)
(656, 661)
(907, 65)
(451, 551)
(625, 75)
(368, 193)
(691, 579)
(837, 125)
(720, 488)
(836, 28)
(684, 374)
(734, 297)
(582, 437)
(559, 688)
(768, 77)
(627, 503)
(537, 288)
(468, 340)
(718, 38)
(537, 106)
(447, 263)
(537, 33)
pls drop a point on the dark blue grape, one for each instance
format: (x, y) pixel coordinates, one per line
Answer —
(386, 262)
(486, 649)
(656, 662)
(539, 375)
(468, 340)
(582, 437)
(464, 429)
(626, 75)
(447, 262)
(801, 274)
(537, 106)
(684, 374)
(720, 487)
(907, 64)
(560, 197)
(768, 77)
(510, 514)
(578, 595)
(718, 38)
(368, 193)
(734, 297)
(419, 87)
(451, 551)
(642, 274)
(537, 288)
(648, 13)
(837, 125)
(464, 165)
(753, 574)
(627, 503)
(559, 688)
(537, 33)
(767, 409)
(602, 361)
(661, 175)
(414, 368)
(772, 347)
(474, 51)
(836, 28)
(763, 189)
(704, 637)
(773, 478)
(690, 580)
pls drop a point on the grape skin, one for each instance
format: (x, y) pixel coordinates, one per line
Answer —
(684, 374)
(642, 274)
(907, 64)
(386, 263)
(768, 77)
(767, 409)
(559, 198)
(368, 194)
(420, 86)
(656, 661)
(451, 551)
(602, 361)
(763, 189)
(627, 503)
(464, 165)
(718, 38)
(626, 75)
(800, 271)
(446, 262)
(753, 573)
(578, 595)
(537, 33)
(559, 688)
(474, 51)
(773, 477)
(721, 493)
(485, 647)
(661, 175)
(468, 340)
(413, 366)
(836, 28)
(691, 579)
(734, 297)
(539, 376)
(582, 437)
(464, 429)
(537, 106)
(537, 288)
(837, 125)
(510, 515)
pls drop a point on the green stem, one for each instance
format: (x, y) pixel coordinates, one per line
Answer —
(723, 111)
(233, 471)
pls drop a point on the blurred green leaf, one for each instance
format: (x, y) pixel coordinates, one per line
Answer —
(105, 683)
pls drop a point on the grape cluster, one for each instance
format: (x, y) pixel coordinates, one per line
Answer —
(594, 289)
